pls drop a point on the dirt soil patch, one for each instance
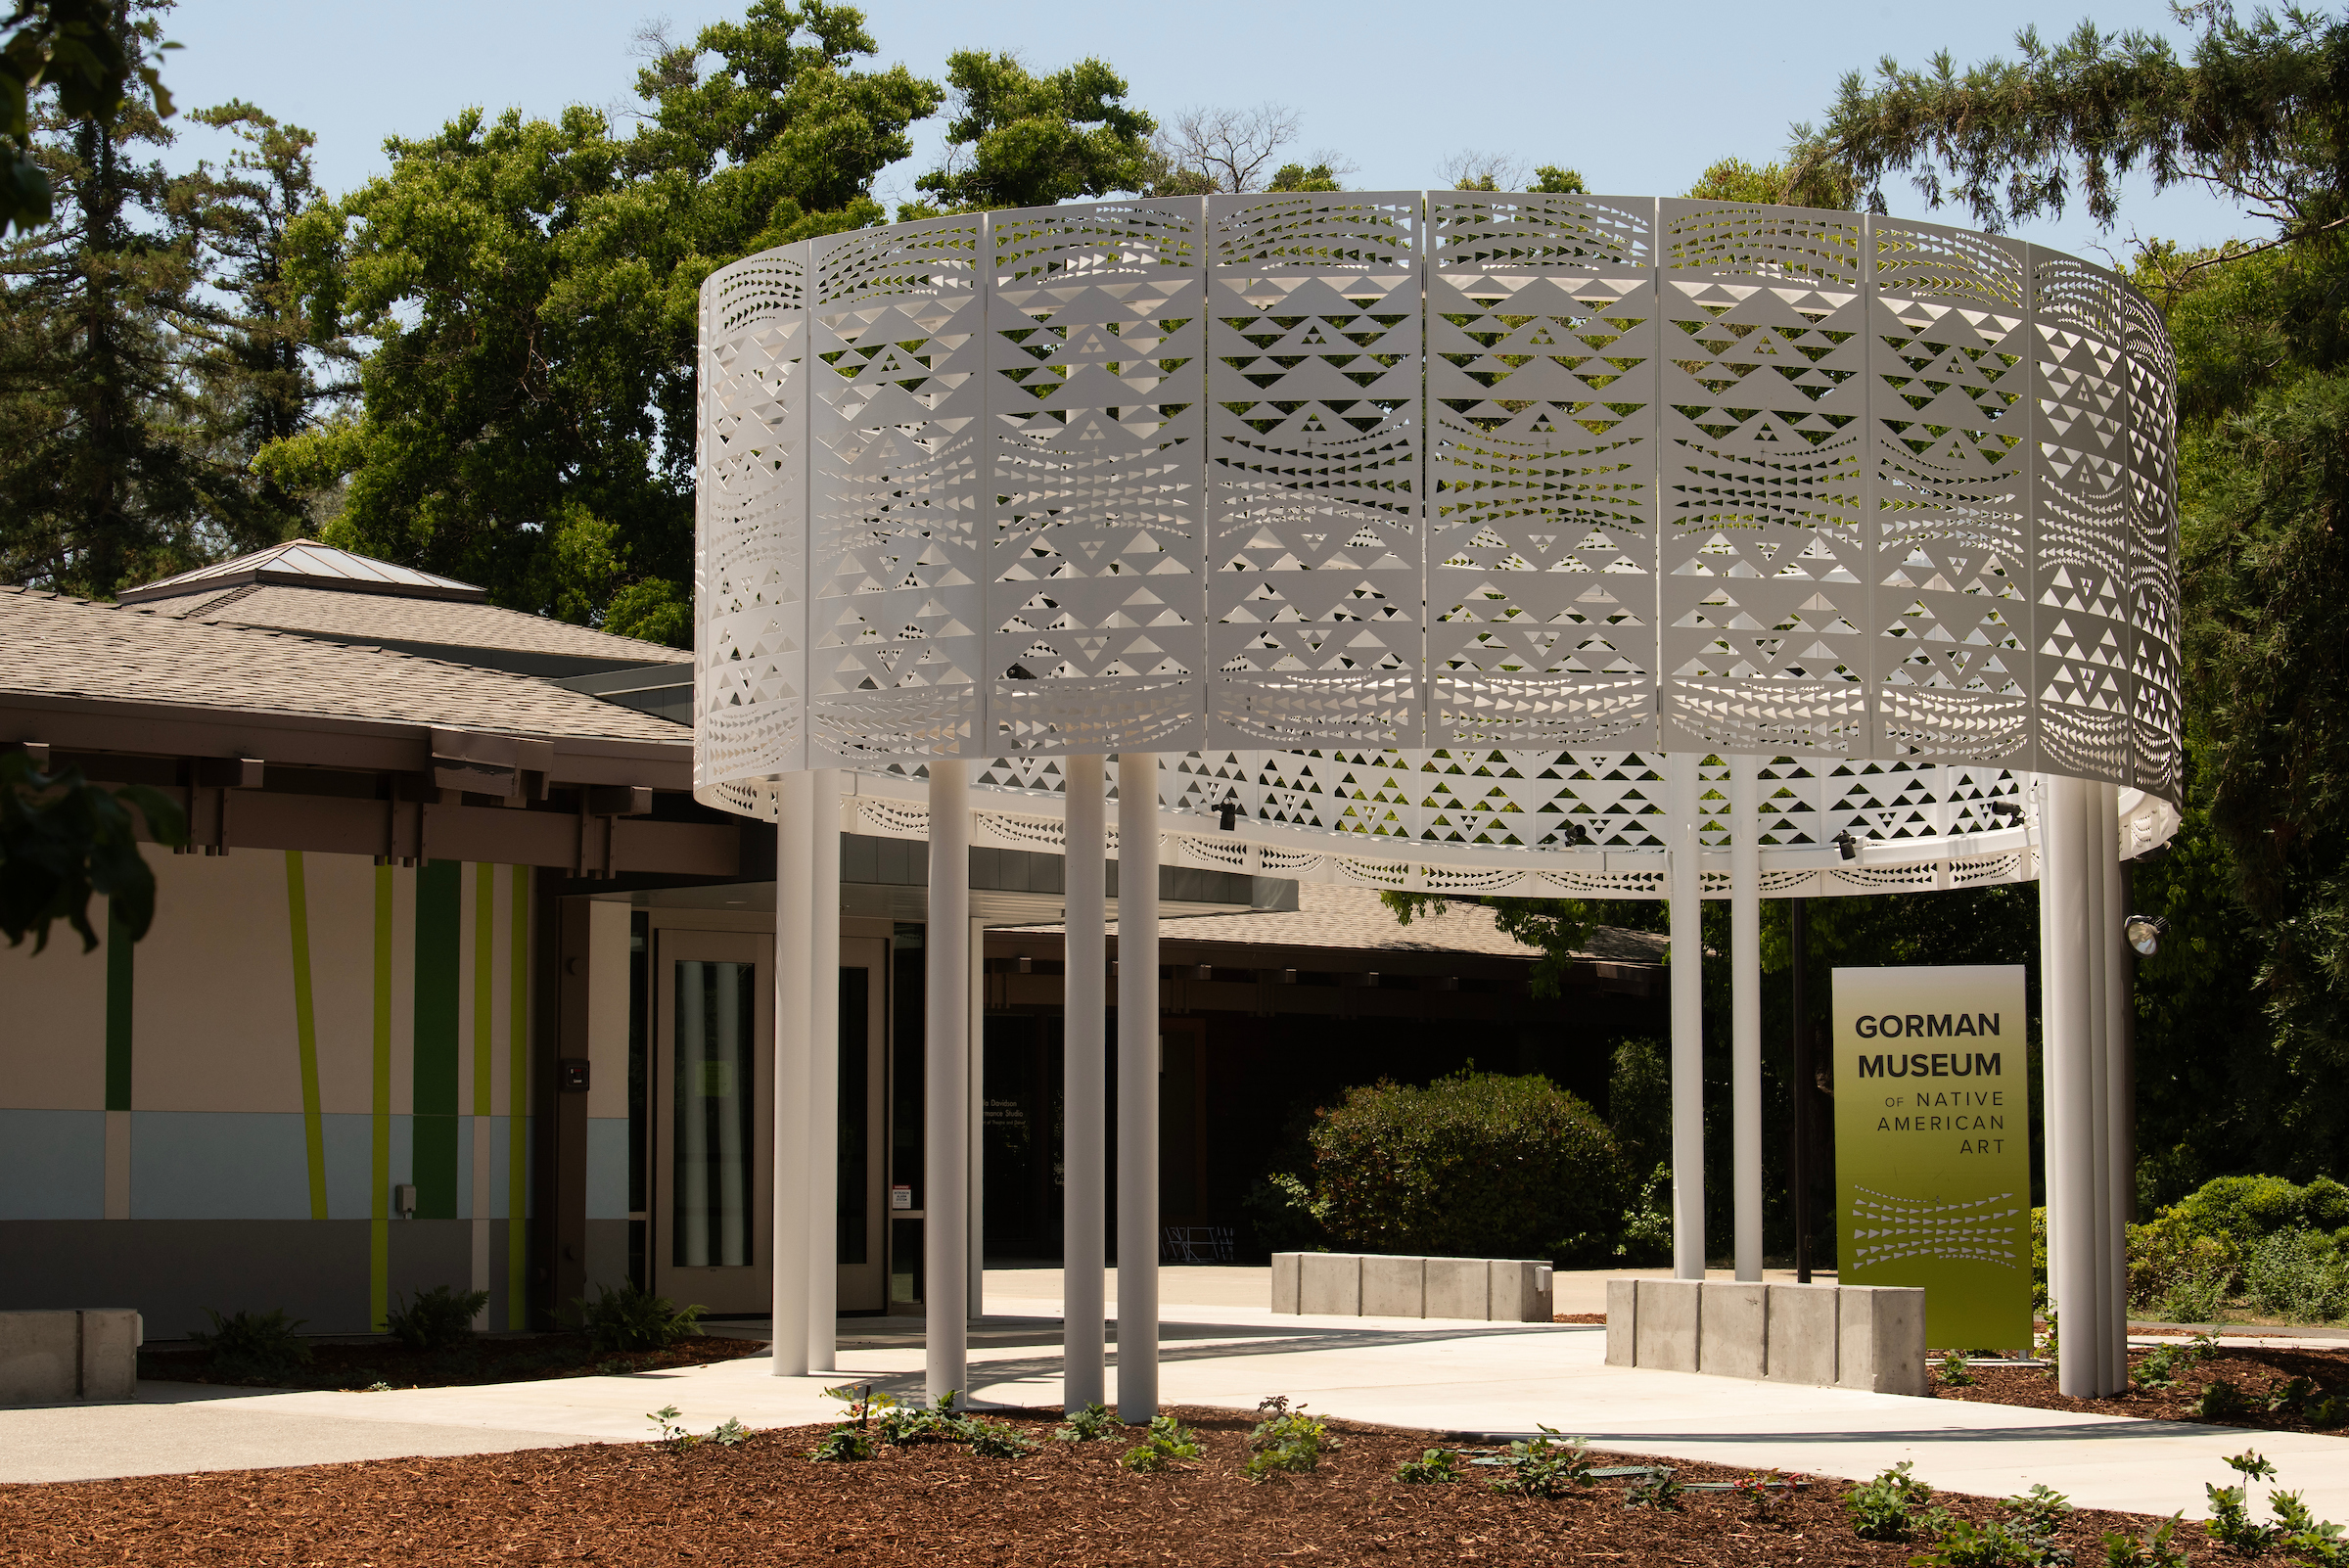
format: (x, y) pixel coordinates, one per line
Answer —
(764, 1502)
(519, 1359)
(2264, 1375)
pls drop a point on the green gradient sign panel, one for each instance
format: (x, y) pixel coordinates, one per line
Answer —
(1932, 1145)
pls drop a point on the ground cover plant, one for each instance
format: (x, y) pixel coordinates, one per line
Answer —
(2265, 1388)
(764, 1501)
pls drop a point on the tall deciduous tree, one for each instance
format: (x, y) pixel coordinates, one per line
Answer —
(2257, 109)
(529, 289)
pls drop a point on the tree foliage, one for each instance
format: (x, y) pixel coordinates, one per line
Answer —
(148, 350)
(529, 290)
(1018, 139)
(83, 56)
(63, 840)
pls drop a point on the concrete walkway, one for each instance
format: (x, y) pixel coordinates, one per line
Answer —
(1498, 1378)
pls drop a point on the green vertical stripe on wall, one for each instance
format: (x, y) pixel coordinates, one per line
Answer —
(517, 1102)
(305, 1029)
(484, 970)
(118, 950)
(379, 1249)
(440, 886)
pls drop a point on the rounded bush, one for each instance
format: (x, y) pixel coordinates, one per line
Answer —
(1478, 1165)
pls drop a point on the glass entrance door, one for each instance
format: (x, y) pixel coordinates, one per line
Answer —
(713, 1120)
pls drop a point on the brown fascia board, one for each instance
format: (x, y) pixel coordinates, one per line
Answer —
(160, 729)
(157, 594)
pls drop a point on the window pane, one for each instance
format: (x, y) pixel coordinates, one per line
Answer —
(715, 1114)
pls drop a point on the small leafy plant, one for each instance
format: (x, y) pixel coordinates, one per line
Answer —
(258, 1346)
(1763, 1493)
(996, 1440)
(1887, 1507)
(1286, 1441)
(438, 1318)
(1092, 1424)
(2304, 1538)
(853, 1439)
(1166, 1442)
(2022, 1535)
(634, 1318)
(1545, 1467)
(904, 1425)
(2204, 1346)
(677, 1440)
(2159, 1368)
(2157, 1548)
(2231, 1523)
(2223, 1401)
(1955, 1372)
(1433, 1467)
(1658, 1490)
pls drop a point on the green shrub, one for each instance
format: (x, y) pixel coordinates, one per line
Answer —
(1286, 1441)
(1092, 1424)
(1281, 1208)
(438, 1318)
(1545, 1468)
(1647, 1222)
(634, 1318)
(2246, 1207)
(1886, 1509)
(261, 1345)
(1477, 1165)
(2173, 1268)
(2157, 1548)
(1431, 1468)
(1167, 1441)
(2298, 1275)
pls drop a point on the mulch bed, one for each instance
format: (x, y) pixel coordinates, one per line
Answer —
(524, 1359)
(2257, 1371)
(763, 1501)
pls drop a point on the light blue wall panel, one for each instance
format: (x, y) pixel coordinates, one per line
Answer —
(218, 1165)
(52, 1164)
(349, 1152)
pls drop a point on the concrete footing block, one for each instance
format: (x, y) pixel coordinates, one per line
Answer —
(1623, 1322)
(1670, 1316)
(1458, 1287)
(1394, 1287)
(1881, 1339)
(1521, 1290)
(1801, 1331)
(1330, 1283)
(1732, 1329)
(53, 1358)
(1284, 1282)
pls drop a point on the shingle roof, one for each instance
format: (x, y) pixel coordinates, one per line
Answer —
(59, 647)
(1329, 916)
(383, 618)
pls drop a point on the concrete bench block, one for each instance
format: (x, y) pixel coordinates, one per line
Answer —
(1880, 1338)
(1284, 1282)
(1665, 1333)
(1801, 1331)
(1394, 1287)
(1458, 1287)
(1732, 1329)
(50, 1357)
(1521, 1290)
(1623, 1322)
(1330, 1283)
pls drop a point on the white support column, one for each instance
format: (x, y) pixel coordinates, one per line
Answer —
(823, 1074)
(1746, 1009)
(2098, 1343)
(793, 929)
(976, 1305)
(1137, 1087)
(2066, 1012)
(1688, 1021)
(2120, 1017)
(1084, 1175)
(946, 1085)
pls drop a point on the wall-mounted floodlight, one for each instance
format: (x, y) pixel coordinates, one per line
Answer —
(1847, 846)
(2006, 811)
(2145, 932)
(1575, 833)
(1230, 810)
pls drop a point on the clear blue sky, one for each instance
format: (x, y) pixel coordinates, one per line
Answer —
(1638, 97)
